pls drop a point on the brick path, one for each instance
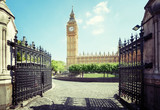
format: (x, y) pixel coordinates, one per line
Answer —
(78, 96)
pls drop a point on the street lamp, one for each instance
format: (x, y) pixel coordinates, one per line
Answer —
(136, 27)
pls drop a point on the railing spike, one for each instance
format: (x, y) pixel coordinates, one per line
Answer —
(128, 41)
(132, 39)
(125, 42)
(26, 44)
(15, 39)
(136, 36)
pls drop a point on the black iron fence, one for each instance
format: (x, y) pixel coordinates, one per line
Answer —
(30, 70)
(131, 70)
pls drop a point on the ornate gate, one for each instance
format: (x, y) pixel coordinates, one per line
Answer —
(131, 70)
(30, 71)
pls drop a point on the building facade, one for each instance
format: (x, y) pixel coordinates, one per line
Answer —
(7, 32)
(151, 25)
(72, 48)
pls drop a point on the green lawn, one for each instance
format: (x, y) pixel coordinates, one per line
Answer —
(97, 75)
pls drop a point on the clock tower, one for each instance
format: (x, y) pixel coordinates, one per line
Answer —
(72, 40)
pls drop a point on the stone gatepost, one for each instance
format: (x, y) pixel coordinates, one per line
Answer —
(151, 54)
(7, 32)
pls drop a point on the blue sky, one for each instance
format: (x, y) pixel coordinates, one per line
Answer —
(101, 23)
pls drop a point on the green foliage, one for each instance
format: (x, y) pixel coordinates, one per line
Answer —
(76, 69)
(94, 68)
(19, 42)
(58, 65)
(23, 54)
(18, 56)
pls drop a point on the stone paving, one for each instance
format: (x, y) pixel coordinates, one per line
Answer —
(77, 96)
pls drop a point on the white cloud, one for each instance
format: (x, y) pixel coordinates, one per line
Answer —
(95, 20)
(84, 27)
(79, 21)
(98, 31)
(101, 8)
(88, 14)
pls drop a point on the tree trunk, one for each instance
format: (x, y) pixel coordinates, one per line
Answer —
(107, 75)
(104, 75)
(82, 74)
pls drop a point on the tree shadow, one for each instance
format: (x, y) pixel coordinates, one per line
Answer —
(88, 104)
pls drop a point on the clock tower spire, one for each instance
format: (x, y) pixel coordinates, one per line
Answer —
(72, 17)
(72, 40)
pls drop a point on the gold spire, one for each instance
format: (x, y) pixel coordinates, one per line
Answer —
(3, 0)
(72, 10)
(72, 17)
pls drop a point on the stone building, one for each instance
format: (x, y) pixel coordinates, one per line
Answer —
(7, 32)
(151, 25)
(72, 48)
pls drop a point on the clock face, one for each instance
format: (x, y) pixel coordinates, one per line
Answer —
(71, 28)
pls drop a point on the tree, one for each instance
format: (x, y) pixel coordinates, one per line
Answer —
(84, 69)
(104, 68)
(94, 68)
(58, 66)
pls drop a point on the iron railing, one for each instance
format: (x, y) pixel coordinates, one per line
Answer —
(31, 73)
(131, 70)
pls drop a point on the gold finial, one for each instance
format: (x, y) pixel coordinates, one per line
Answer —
(3, 0)
(72, 10)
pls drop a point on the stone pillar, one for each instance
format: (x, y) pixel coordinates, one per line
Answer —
(5, 78)
(158, 33)
(4, 50)
(7, 32)
(0, 50)
(156, 55)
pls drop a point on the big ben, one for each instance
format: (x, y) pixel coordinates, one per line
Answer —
(72, 40)
(72, 48)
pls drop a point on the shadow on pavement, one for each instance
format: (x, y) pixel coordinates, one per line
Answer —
(87, 104)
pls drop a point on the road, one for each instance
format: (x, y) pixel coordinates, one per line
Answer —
(78, 96)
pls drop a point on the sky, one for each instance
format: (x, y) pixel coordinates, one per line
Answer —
(100, 22)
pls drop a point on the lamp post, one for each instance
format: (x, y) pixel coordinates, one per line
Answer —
(136, 27)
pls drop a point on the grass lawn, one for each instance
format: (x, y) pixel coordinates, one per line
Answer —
(97, 75)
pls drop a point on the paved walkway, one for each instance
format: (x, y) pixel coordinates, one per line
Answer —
(78, 96)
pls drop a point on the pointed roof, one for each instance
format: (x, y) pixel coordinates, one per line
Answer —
(5, 8)
(72, 17)
(72, 11)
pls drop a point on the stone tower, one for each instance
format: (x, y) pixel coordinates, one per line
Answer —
(72, 40)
